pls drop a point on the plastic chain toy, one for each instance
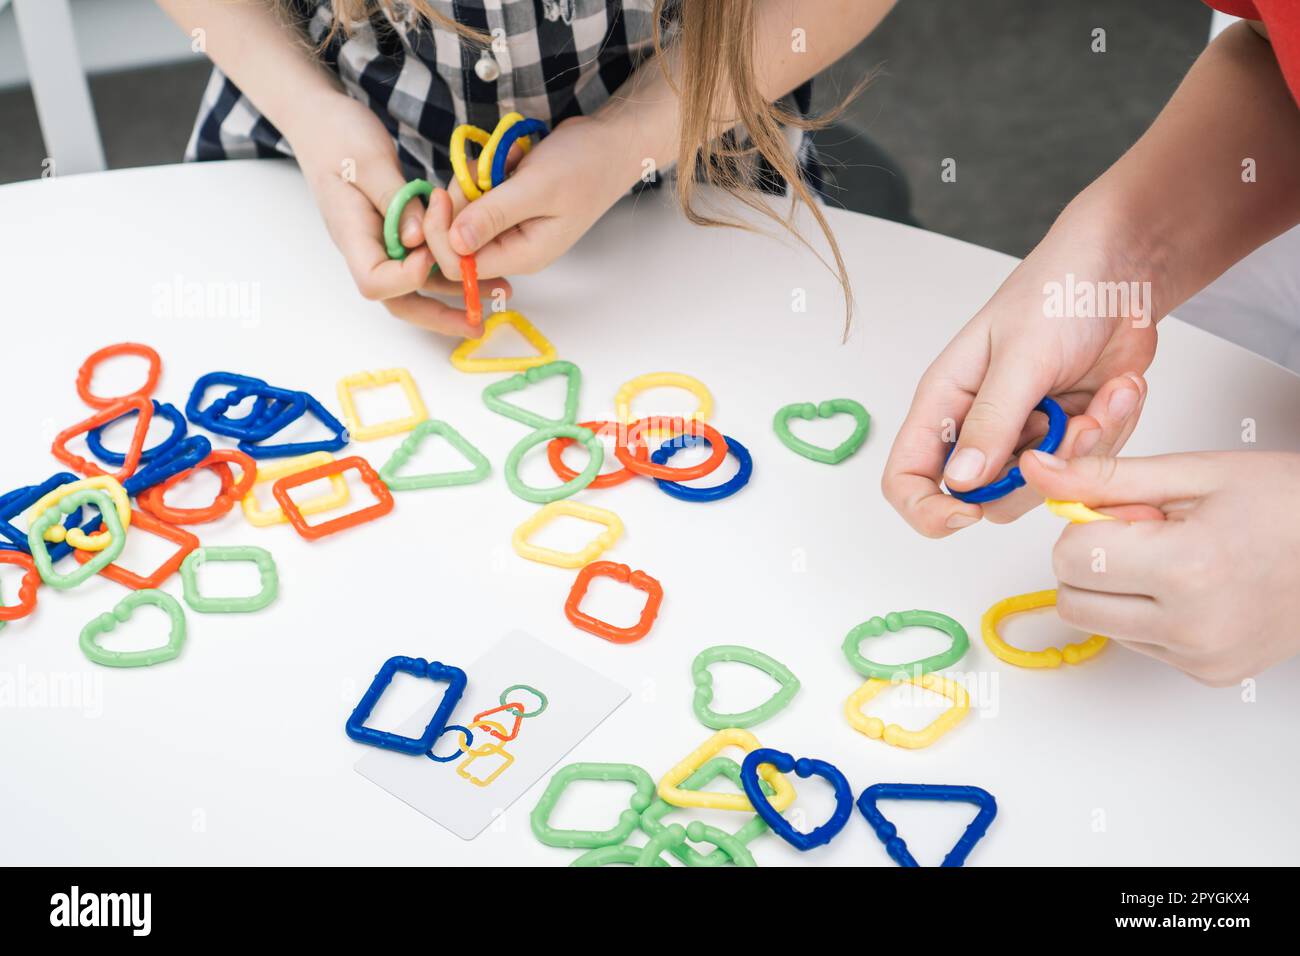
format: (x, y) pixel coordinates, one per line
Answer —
(631, 389)
(314, 532)
(614, 856)
(120, 615)
(1049, 657)
(273, 409)
(896, 847)
(19, 500)
(404, 452)
(511, 129)
(95, 437)
(78, 537)
(703, 679)
(393, 376)
(672, 789)
(183, 457)
(496, 730)
(681, 428)
(804, 767)
(393, 216)
(338, 439)
(894, 622)
(466, 739)
(88, 367)
(416, 667)
(339, 493)
(1075, 512)
(676, 836)
(619, 572)
(827, 409)
(492, 394)
(55, 514)
(897, 736)
(555, 455)
(652, 817)
(1056, 423)
(462, 357)
(230, 605)
(546, 495)
(143, 407)
(489, 749)
(185, 543)
(26, 591)
(612, 523)
(715, 493)
(585, 839)
(460, 161)
(154, 500)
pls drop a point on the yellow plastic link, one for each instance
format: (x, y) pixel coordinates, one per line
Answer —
(629, 390)
(897, 736)
(489, 153)
(1050, 657)
(75, 536)
(460, 162)
(567, 559)
(462, 357)
(670, 790)
(338, 496)
(1075, 511)
(391, 376)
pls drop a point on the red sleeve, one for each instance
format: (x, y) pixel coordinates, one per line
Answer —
(1282, 18)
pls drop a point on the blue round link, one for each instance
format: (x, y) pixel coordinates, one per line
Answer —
(525, 127)
(804, 767)
(95, 437)
(715, 493)
(1056, 422)
(469, 742)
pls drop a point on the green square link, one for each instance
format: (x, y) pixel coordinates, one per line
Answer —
(230, 605)
(589, 839)
(102, 559)
(652, 818)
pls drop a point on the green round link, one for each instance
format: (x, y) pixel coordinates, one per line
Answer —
(613, 856)
(827, 409)
(676, 835)
(743, 655)
(393, 217)
(411, 444)
(573, 376)
(652, 817)
(595, 448)
(230, 605)
(102, 559)
(120, 615)
(505, 695)
(585, 839)
(896, 621)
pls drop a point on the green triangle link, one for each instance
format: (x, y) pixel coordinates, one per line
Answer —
(406, 450)
(827, 409)
(743, 655)
(492, 394)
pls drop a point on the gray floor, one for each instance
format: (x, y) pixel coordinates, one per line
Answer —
(1010, 89)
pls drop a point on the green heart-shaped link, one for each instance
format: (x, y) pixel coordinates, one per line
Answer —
(744, 655)
(827, 409)
(407, 449)
(896, 621)
(492, 394)
(120, 615)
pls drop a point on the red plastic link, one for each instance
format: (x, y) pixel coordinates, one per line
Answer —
(678, 426)
(383, 497)
(153, 500)
(141, 521)
(469, 282)
(87, 372)
(619, 572)
(555, 455)
(26, 591)
(137, 403)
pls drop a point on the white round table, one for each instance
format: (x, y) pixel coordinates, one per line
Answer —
(235, 752)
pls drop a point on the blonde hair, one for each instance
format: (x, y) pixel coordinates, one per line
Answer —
(715, 40)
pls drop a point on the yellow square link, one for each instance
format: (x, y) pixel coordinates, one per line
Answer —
(392, 376)
(567, 559)
(898, 736)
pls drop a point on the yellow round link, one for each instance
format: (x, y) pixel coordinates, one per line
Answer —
(629, 390)
(489, 153)
(1049, 657)
(75, 536)
(460, 162)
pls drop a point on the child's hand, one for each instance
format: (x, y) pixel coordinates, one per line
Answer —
(351, 142)
(1211, 589)
(554, 194)
(987, 382)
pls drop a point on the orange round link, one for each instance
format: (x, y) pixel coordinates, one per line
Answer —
(87, 372)
(677, 426)
(153, 500)
(555, 455)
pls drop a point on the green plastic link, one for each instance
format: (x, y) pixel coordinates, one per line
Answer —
(230, 605)
(896, 621)
(492, 394)
(120, 615)
(595, 448)
(542, 705)
(652, 817)
(743, 655)
(613, 856)
(584, 839)
(406, 450)
(677, 835)
(393, 216)
(827, 409)
(102, 559)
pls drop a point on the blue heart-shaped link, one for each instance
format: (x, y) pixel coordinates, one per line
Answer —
(804, 767)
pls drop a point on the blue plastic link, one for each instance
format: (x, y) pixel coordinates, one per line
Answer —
(95, 437)
(338, 440)
(804, 767)
(525, 127)
(716, 492)
(896, 847)
(416, 667)
(1057, 420)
